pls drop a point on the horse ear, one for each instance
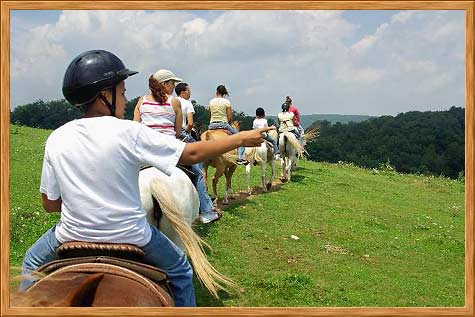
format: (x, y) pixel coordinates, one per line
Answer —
(83, 296)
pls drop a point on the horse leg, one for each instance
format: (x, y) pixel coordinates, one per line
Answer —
(284, 169)
(229, 176)
(248, 178)
(263, 176)
(219, 172)
(269, 184)
(289, 168)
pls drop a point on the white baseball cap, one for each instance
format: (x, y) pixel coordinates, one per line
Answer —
(163, 75)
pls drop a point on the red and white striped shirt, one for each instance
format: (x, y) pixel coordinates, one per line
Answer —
(158, 116)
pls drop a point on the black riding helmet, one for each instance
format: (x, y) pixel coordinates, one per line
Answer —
(285, 107)
(90, 73)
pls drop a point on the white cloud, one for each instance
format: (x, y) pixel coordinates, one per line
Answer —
(425, 66)
(261, 56)
(359, 76)
(402, 17)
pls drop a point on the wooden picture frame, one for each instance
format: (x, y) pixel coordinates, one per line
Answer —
(467, 6)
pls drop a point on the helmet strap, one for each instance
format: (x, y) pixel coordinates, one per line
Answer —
(108, 104)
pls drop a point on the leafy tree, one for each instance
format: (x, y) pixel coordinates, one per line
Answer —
(430, 142)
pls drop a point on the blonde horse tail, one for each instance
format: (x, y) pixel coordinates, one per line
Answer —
(194, 245)
(295, 143)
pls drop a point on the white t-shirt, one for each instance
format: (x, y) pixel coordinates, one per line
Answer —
(260, 123)
(186, 107)
(93, 165)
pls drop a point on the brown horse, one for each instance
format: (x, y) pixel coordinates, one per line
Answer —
(224, 163)
(96, 282)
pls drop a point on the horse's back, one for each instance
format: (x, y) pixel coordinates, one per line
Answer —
(214, 134)
(227, 159)
(180, 192)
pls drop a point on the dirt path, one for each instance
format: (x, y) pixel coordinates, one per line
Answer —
(241, 196)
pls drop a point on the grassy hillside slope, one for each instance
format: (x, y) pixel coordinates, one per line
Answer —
(366, 237)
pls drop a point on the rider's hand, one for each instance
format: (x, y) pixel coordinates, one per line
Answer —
(253, 137)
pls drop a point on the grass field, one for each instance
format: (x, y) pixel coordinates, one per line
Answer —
(366, 237)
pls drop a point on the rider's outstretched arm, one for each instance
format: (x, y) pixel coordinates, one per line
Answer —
(198, 151)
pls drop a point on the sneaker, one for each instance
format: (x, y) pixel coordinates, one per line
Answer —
(242, 161)
(209, 217)
(277, 156)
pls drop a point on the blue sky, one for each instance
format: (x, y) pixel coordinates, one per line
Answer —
(347, 62)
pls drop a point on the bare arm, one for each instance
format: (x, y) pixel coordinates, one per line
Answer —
(51, 205)
(229, 113)
(198, 151)
(137, 111)
(176, 105)
(189, 121)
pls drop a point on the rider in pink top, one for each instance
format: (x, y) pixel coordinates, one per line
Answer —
(296, 113)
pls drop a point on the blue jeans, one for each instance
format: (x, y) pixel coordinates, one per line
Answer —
(186, 137)
(227, 126)
(300, 128)
(297, 133)
(159, 252)
(274, 143)
(206, 204)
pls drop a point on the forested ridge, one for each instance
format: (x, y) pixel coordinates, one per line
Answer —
(430, 142)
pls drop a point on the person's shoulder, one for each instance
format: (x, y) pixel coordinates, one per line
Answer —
(184, 102)
(58, 132)
(225, 101)
(113, 124)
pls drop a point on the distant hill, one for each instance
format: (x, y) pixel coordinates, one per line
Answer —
(308, 119)
(429, 142)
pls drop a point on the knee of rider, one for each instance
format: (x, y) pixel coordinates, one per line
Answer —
(28, 263)
(183, 268)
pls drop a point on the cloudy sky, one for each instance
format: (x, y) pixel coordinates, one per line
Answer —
(346, 62)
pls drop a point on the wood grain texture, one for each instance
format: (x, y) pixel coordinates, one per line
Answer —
(4, 156)
(469, 155)
(468, 6)
(242, 5)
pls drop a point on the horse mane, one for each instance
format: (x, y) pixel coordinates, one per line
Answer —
(206, 273)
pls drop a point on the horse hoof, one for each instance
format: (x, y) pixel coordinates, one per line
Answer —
(269, 186)
(225, 202)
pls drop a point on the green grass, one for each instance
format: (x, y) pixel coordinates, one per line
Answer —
(366, 237)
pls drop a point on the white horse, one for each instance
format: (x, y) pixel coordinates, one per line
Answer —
(261, 155)
(178, 200)
(290, 150)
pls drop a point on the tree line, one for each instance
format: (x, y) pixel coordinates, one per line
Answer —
(430, 142)
(53, 114)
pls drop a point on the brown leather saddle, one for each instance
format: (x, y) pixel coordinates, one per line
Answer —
(117, 260)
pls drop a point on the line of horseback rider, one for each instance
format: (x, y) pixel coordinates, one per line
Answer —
(91, 167)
